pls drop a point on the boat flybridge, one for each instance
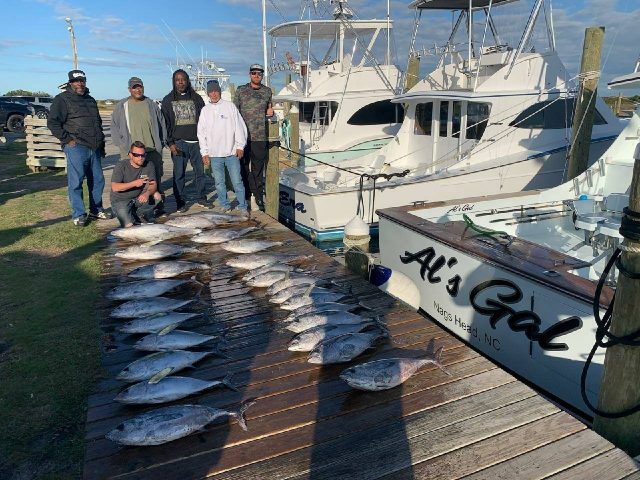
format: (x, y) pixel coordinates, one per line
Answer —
(490, 118)
(516, 275)
(341, 90)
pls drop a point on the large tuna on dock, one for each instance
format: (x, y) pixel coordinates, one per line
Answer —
(170, 423)
(156, 323)
(147, 306)
(389, 372)
(344, 348)
(143, 289)
(220, 236)
(167, 269)
(164, 363)
(153, 232)
(173, 340)
(167, 390)
(249, 246)
(153, 252)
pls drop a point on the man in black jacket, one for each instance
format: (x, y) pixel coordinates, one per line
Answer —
(181, 109)
(75, 121)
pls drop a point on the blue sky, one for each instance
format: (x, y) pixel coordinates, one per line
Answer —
(118, 39)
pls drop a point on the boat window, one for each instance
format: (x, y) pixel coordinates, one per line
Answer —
(378, 113)
(477, 118)
(456, 119)
(424, 113)
(306, 112)
(444, 116)
(551, 114)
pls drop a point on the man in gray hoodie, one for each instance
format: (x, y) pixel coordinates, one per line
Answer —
(137, 118)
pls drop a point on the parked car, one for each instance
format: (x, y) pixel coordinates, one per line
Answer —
(34, 100)
(40, 110)
(12, 115)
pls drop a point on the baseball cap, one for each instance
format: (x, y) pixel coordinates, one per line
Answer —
(77, 75)
(133, 81)
(213, 86)
(256, 66)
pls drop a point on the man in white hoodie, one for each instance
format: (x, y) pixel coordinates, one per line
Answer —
(222, 135)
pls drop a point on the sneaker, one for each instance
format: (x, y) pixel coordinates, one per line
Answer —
(253, 204)
(102, 215)
(80, 221)
(183, 208)
(161, 213)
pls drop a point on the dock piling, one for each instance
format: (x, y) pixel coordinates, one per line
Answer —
(272, 183)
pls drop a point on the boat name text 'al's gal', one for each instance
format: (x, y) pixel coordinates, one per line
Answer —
(287, 201)
(496, 308)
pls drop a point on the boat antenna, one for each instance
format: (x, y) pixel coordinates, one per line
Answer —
(264, 42)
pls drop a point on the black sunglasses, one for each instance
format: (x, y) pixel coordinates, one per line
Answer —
(257, 73)
(138, 155)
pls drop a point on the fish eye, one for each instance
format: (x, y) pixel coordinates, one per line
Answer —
(120, 427)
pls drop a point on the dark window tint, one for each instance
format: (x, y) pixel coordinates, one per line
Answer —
(46, 100)
(30, 99)
(477, 118)
(312, 111)
(456, 119)
(551, 115)
(424, 112)
(378, 113)
(444, 116)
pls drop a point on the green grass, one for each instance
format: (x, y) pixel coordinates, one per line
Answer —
(49, 335)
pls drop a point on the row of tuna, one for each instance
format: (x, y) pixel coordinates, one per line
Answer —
(149, 313)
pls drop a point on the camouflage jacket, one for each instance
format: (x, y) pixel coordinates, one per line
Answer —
(253, 104)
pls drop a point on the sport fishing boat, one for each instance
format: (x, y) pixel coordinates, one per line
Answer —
(517, 275)
(493, 118)
(341, 90)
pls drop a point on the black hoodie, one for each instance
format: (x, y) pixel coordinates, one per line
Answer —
(76, 117)
(182, 112)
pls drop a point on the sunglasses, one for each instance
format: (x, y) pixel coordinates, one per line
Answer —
(138, 155)
(257, 73)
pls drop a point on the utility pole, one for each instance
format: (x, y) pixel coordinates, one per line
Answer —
(73, 42)
(585, 102)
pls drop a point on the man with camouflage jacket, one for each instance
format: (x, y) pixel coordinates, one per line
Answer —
(254, 103)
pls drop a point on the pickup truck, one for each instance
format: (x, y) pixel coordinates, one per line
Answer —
(12, 115)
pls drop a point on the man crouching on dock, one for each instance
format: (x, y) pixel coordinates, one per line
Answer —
(134, 188)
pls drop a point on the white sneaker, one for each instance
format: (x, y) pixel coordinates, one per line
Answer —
(254, 205)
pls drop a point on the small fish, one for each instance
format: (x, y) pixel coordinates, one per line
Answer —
(166, 321)
(389, 372)
(147, 306)
(170, 423)
(249, 246)
(220, 218)
(324, 307)
(155, 363)
(167, 389)
(272, 267)
(191, 221)
(172, 340)
(295, 279)
(266, 279)
(221, 236)
(315, 319)
(143, 289)
(344, 348)
(153, 252)
(251, 261)
(314, 298)
(287, 293)
(167, 269)
(307, 340)
(153, 232)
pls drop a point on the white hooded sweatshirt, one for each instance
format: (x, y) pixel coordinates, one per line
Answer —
(221, 130)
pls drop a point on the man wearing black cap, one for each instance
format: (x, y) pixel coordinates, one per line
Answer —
(137, 118)
(75, 121)
(181, 109)
(254, 102)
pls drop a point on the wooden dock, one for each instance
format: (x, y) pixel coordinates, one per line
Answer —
(480, 422)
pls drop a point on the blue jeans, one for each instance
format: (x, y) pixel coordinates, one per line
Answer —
(233, 167)
(83, 162)
(190, 153)
(130, 211)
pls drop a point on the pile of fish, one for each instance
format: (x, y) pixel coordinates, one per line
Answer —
(326, 321)
(155, 319)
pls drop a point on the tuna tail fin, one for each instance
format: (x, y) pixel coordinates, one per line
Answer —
(436, 358)
(226, 381)
(239, 415)
(307, 292)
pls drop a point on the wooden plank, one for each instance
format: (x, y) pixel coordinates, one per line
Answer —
(47, 162)
(488, 452)
(44, 146)
(549, 459)
(31, 120)
(612, 465)
(46, 153)
(36, 136)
